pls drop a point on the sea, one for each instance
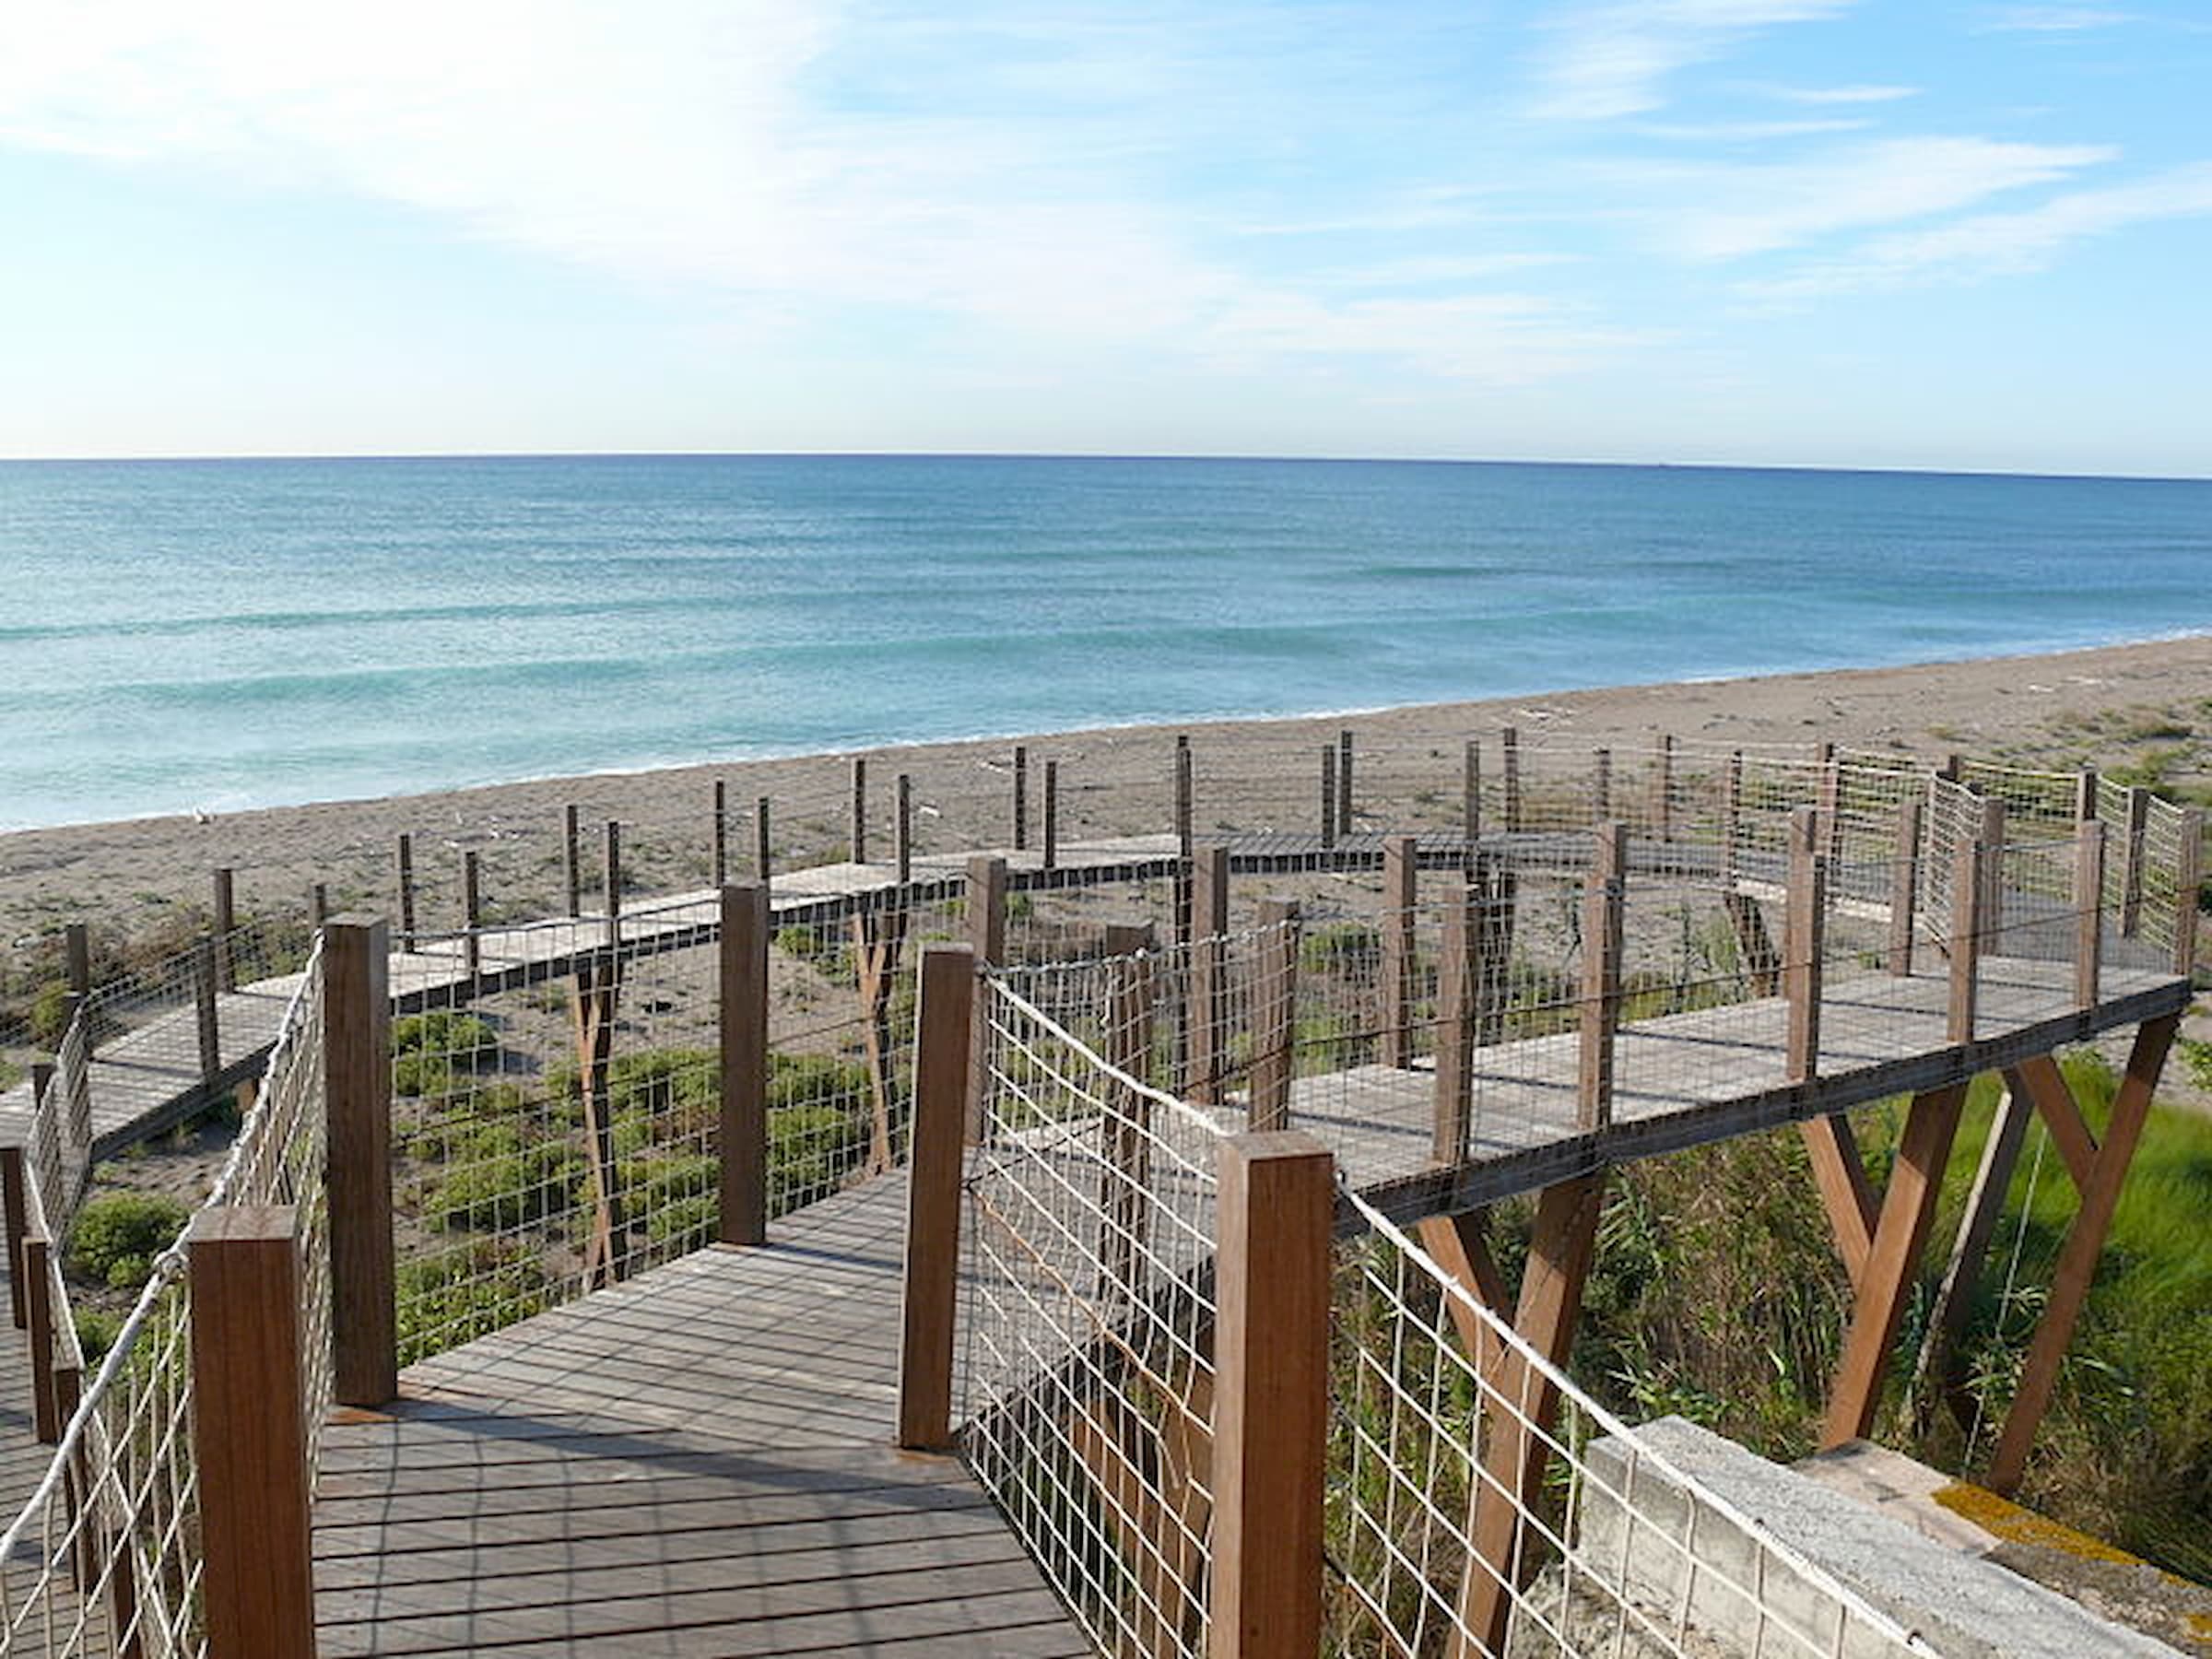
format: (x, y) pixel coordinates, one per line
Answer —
(212, 635)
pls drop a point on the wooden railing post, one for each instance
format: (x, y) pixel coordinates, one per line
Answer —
(986, 908)
(1344, 781)
(1186, 794)
(78, 948)
(1904, 888)
(205, 951)
(1470, 797)
(1459, 974)
(1732, 818)
(1022, 799)
(226, 923)
(858, 838)
(1328, 795)
(2189, 878)
(611, 875)
(2131, 862)
(35, 1262)
(471, 913)
(16, 1218)
(1605, 903)
(945, 1027)
(2089, 911)
(1052, 814)
(903, 827)
(593, 997)
(250, 1434)
(1804, 937)
(1992, 873)
(1663, 788)
(1401, 879)
(571, 858)
(406, 891)
(357, 1068)
(1205, 1021)
(742, 972)
(1509, 744)
(1601, 785)
(721, 835)
(1127, 1124)
(1271, 1363)
(1829, 836)
(764, 851)
(2085, 795)
(318, 905)
(1970, 885)
(1274, 1017)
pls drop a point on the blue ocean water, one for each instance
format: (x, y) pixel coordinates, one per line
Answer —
(220, 634)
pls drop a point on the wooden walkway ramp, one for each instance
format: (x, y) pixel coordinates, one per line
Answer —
(699, 1462)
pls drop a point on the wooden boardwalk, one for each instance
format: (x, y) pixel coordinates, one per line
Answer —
(696, 1463)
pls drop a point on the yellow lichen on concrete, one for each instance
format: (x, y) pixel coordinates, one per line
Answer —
(2002, 1519)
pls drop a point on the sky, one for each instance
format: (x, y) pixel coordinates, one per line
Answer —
(1789, 232)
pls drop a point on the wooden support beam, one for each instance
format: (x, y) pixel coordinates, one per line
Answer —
(1520, 1404)
(721, 835)
(945, 1022)
(205, 953)
(1401, 878)
(1126, 1124)
(1274, 1017)
(985, 910)
(1893, 1255)
(1052, 814)
(225, 924)
(1970, 886)
(1904, 888)
(1509, 747)
(406, 891)
(1845, 1192)
(1804, 941)
(1205, 1021)
(14, 1217)
(1604, 907)
(1938, 1368)
(357, 1070)
(2132, 852)
(2046, 1086)
(1458, 991)
(1344, 781)
(2089, 911)
(878, 942)
(250, 1434)
(1022, 799)
(2078, 1256)
(471, 915)
(592, 1007)
(1328, 795)
(1276, 1207)
(741, 978)
(35, 1262)
(856, 837)
(572, 857)
(1459, 1247)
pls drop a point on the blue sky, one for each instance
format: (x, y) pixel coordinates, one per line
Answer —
(1760, 232)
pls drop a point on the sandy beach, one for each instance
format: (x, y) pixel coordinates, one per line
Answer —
(2122, 706)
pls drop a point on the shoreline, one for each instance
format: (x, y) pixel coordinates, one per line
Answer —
(2112, 705)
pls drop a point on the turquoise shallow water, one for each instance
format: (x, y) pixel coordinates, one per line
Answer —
(228, 633)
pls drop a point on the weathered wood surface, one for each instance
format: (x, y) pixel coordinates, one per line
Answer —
(696, 1462)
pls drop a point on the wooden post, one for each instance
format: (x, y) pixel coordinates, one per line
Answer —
(318, 905)
(1125, 1125)
(406, 891)
(1470, 796)
(1601, 785)
(1052, 814)
(35, 1262)
(1904, 888)
(2085, 795)
(592, 1007)
(1604, 904)
(1732, 818)
(471, 915)
(721, 835)
(1271, 1360)
(571, 858)
(945, 1023)
(1992, 875)
(1328, 795)
(250, 1434)
(205, 952)
(1186, 793)
(2189, 880)
(878, 941)
(859, 836)
(1022, 799)
(1969, 887)
(1458, 975)
(1274, 1017)
(1908, 1208)
(1509, 743)
(2131, 862)
(612, 877)
(357, 1064)
(903, 827)
(1522, 1404)
(1831, 832)
(226, 923)
(1935, 1369)
(1663, 788)
(2078, 1256)
(78, 946)
(2089, 911)
(1846, 1195)
(1344, 781)
(764, 852)
(742, 978)
(17, 1223)
(1401, 866)
(986, 918)
(1804, 927)
(1206, 1019)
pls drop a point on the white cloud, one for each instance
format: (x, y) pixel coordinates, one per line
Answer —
(1747, 132)
(2055, 19)
(1494, 339)
(1728, 213)
(1840, 95)
(1611, 61)
(2001, 243)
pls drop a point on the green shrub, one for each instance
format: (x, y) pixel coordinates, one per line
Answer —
(825, 956)
(459, 1295)
(118, 1235)
(810, 1151)
(463, 1040)
(96, 1332)
(812, 1079)
(427, 1076)
(1351, 949)
(49, 1014)
(509, 1186)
